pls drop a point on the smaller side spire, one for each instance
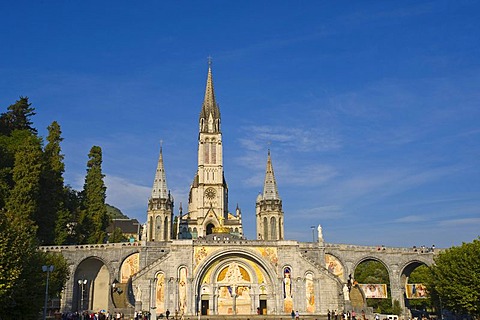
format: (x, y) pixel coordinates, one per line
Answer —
(270, 190)
(160, 190)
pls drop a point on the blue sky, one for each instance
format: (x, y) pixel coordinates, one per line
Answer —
(371, 109)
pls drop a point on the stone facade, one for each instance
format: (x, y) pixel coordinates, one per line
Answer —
(209, 268)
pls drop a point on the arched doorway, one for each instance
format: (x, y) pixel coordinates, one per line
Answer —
(235, 283)
(91, 285)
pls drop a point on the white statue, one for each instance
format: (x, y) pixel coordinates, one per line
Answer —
(346, 294)
(320, 234)
(138, 296)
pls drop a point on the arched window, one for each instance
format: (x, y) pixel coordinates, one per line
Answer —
(165, 229)
(214, 152)
(280, 235)
(206, 151)
(158, 228)
(273, 228)
(265, 228)
(150, 230)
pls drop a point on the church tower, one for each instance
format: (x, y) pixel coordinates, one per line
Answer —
(208, 197)
(160, 207)
(269, 211)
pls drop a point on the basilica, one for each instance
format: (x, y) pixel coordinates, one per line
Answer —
(199, 262)
(214, 268)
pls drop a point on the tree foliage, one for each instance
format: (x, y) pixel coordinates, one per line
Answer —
(53, 192)
(25, 196)
(117, 236)
(18, 117)
(94, 218)
(20, 294)
(374, 272)
(37, 208)
(421, 274)
(455, 278)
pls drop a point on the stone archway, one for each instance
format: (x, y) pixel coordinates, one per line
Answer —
(91, 285)
(415, 295)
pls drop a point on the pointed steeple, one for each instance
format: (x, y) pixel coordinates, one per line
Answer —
(210, 114)
(160, 190)
(270, 191)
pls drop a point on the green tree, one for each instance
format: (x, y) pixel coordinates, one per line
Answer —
(17, 117)
(52, 191)
(59, 276)
(117, 236)
(455, 278)
(21, 294)
(94, 218)
(9, 145)
(24, 197)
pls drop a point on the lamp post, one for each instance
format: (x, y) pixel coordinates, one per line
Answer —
(82, 283)
(46, 269)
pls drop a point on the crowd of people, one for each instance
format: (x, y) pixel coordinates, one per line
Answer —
(92, 315)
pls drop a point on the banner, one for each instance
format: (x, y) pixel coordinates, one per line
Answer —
(375, 291)
(416, 291)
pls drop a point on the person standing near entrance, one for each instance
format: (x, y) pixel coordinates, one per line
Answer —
(293, 314)
(167, 313)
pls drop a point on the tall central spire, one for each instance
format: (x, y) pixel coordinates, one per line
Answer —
(210, 114)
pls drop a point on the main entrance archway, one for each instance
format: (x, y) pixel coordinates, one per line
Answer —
(234, 284)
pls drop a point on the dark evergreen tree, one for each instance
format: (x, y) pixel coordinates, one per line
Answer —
(15, 127)
(17, 117)
(94, 219)
(67, 227)
(52, 187)
(25, 196)
(20, 260)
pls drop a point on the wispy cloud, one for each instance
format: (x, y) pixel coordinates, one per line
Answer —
(126, 195)
(300, 139)
(330, 212)
(410, 219)
(474, 222)
(377, 184)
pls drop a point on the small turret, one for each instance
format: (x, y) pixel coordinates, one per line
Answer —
(160, 206)
(269, 213)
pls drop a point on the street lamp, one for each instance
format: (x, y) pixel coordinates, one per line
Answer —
(81, 284)
(46, 269)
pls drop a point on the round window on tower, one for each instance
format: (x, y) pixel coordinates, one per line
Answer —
(210, 193)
